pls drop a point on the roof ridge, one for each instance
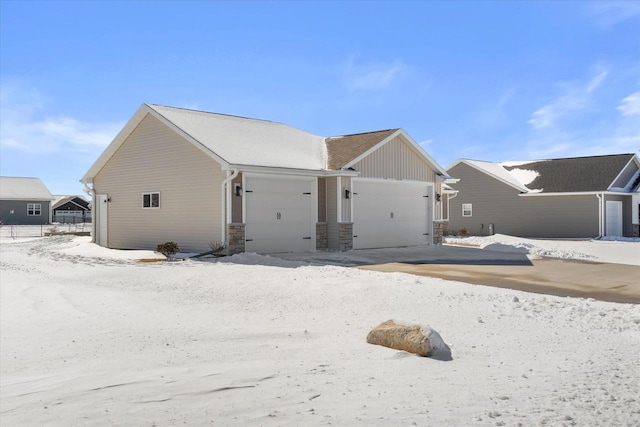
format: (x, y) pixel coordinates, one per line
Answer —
(363, 133)
(214, 113)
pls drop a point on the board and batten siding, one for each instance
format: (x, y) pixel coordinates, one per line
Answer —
(395, 160)
(333, 238)
(494, 202)
(156, 159)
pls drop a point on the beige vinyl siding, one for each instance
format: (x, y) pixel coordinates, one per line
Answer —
(346, 203)
(494, 202)
(395, 160)
(322, 200)
(236, 201)
(332, 214)
(156, 159)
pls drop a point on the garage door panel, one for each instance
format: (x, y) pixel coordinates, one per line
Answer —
(279, 215)
(388, 214)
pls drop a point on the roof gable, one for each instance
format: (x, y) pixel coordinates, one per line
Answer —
(342, 150)
(572, 175)
(564, 175)
(18, 188)
(243, 142)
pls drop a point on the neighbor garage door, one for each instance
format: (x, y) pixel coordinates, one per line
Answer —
(279, 213)
(390, 213)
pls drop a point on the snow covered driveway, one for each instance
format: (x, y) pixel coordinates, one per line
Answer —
(89, 337)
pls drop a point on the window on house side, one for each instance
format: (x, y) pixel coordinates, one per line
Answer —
(467, 209)
(34, 209)
(150, 200)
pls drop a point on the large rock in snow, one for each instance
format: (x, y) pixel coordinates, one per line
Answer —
(416, 339)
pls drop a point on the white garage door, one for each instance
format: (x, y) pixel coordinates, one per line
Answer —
(279, 213)
(390, 213)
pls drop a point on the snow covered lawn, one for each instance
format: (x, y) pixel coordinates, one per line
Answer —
(619, 251)
(92, 337)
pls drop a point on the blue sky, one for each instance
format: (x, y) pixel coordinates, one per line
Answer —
(485, 80)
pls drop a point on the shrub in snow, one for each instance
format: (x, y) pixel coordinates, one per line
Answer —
(217, 247)
(168, 249)
(463, 232)
(418, 339)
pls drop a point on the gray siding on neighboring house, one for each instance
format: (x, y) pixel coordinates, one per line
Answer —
(19, 215)
(494, 202)
(627, 212)
(156, 159)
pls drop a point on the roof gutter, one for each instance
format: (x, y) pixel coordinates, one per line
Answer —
(600, 215)
(92, 193)
(223, 198)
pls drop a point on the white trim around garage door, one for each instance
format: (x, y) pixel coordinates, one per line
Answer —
(391, 213)
(280, 212)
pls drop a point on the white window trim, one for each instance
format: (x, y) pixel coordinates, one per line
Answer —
(150, 194)
(470, 209)
(34, 209)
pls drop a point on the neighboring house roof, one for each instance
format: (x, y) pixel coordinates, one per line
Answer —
(28, 189)
(78, 201)
(563, 175)
(239, 141)
(343, 149)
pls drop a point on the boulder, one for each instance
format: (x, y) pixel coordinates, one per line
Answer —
(418, 339)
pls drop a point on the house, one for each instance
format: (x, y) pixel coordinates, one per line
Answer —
(194, 177)
(580, 197)
(24, 201)
(71, 209)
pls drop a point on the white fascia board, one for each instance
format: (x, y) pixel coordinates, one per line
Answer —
(290, 171)
(634, 160)
(416, 147)
(124, 133)
(576, 193)
(133, 122)
(188, 137)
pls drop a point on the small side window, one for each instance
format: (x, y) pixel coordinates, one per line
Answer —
(150, 200)
(467, 209)
(34, 209)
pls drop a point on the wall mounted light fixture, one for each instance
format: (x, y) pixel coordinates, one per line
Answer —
(438, 197)
(347, 194)
(238, 191)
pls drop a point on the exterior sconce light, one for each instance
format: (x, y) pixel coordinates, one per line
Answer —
(238, 191)
(438, 197)
(347, 194)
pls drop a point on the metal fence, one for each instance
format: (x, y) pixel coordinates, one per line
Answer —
(21, 231)
(68, 219)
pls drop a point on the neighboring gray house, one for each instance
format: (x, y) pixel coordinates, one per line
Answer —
(577, 197)
(71, 209)
(194, 177)
(24, 201)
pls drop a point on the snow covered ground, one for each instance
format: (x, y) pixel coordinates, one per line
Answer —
(90, 336)
(621, 250)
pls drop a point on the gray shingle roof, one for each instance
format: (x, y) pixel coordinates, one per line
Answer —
(577, 174)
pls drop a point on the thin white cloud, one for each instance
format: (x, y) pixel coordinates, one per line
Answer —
(27, 128)
(609, 13)
(595, 82)
(574, 98)
(372, 77)
(630, 106)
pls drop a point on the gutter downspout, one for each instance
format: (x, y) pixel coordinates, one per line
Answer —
(223, 197)
(600, 215)
(91, 192)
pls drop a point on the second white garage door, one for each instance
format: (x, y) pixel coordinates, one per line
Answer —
(390, 213)
(279, 213)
